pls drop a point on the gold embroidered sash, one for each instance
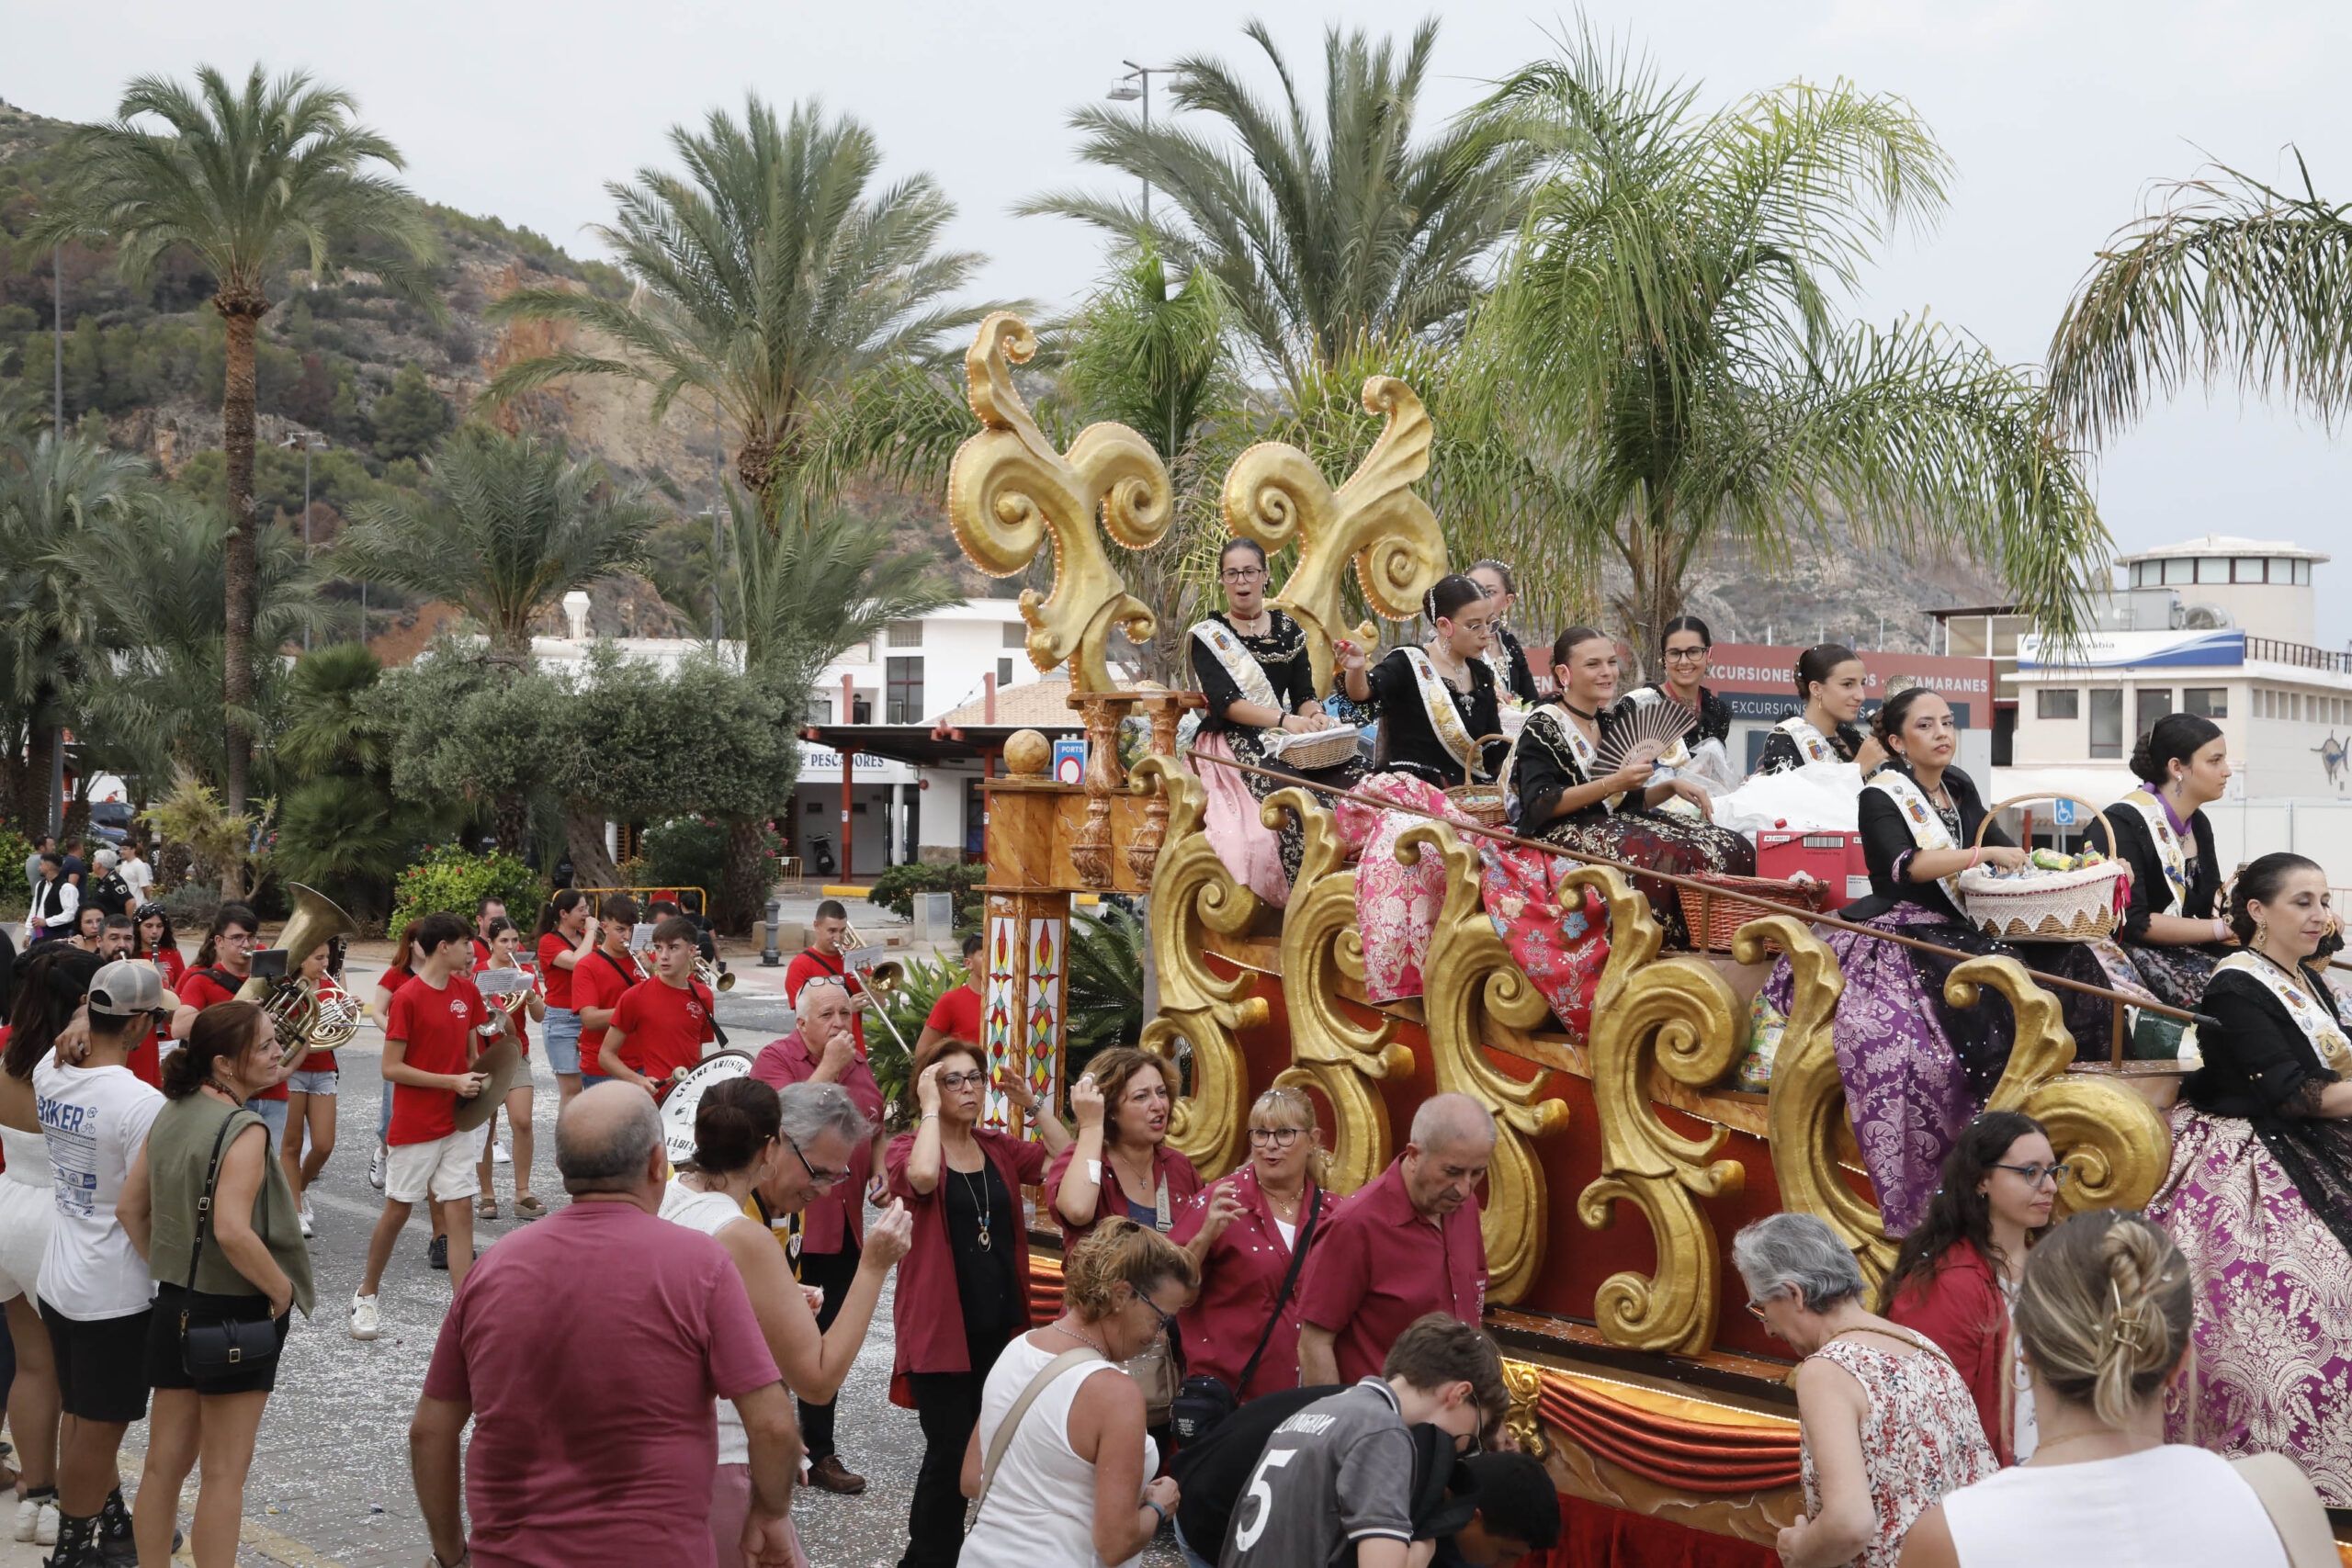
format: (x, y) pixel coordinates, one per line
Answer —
(1811, 744)
(2311, 1015)
(2169, 849)
(1445, 719)
(1928, 829)
(1238, 661)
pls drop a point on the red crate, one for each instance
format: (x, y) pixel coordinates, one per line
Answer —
(1833, 859)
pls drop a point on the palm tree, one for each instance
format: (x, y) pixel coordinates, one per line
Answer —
(2224, 275)
(1322, 235)
(1665, 333)
(508, 524)
(252, 179)
(56, 496)
(770, 275)
(342, 827)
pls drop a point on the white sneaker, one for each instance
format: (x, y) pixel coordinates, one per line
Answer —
(305, 1216)
(36, 1514)
(364, 1324)
(377, 1167)
(45, 1532)
(498, 1154)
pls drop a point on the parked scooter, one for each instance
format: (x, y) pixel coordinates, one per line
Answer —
(820, 853)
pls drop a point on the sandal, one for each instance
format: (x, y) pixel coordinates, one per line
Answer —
(529, 1207)
(486, 1207)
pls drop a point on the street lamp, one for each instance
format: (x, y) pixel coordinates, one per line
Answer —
(310, 445)
(1126, 91)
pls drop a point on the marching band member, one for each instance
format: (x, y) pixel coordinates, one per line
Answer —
(222, 966)
(2259, 1196)
(567, 936)
(660, 1024)
(158, 945)
(1833, 683)
(1503, 655)
(600, 980)
(310, 1087)
(1251, 662)
(2172, 934)
(956, 1014)
(525, 1006)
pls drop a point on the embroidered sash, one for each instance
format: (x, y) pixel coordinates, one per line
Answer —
(1812, 744)
(1587, 762)
(1238, 662)
(1928, 829)
(2311, 1015)
(2169, 849)
(1445, 719)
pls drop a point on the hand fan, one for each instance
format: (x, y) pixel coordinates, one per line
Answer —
(1629, 725)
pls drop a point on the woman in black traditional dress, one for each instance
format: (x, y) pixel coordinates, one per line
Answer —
(1503, 655)
(2171, 936)
(1832, 683)
(1557, 791)
(1252, 665)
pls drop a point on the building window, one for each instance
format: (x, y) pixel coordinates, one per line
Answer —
(2213, 568)
(1016, 634)
(2139, 574)
(2154, 703)
(906, 634)
(2248, 569)
(2050, 703)
(2295, 707)
(903, 689)
(861, 709)
(2179, 573)
(1003, 673)
(2206, 702)
(820, 711)
(2302, 574)
(2107, 722)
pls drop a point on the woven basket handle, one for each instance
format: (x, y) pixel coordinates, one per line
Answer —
(2021, 799)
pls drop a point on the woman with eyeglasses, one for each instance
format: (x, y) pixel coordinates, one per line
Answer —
(1956, 1278)
(1076, 1486)
(962, 1291)
(1888, 1426)
(1251, 662)
(2259, 1196)
(1243, 1237)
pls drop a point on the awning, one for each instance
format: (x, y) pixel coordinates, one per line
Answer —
(923, 746)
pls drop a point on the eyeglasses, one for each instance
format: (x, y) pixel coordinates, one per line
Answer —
(1279, 1137)
(1756, 1310)
(1167, 1323)
(2033, 1174)
(960, 1080)
(1686, 656)
(1244, 573)
(1472, 625)
(818, 1178)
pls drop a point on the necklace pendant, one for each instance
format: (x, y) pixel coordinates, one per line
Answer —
(988, 1242)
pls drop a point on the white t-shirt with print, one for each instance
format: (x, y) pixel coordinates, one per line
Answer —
(96, 1119)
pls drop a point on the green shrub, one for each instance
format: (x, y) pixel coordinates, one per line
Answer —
(448, 878)
(684, 852)
(192, 905)
(14, 849)
(895, 889)
(922, 981)
(1105, 980)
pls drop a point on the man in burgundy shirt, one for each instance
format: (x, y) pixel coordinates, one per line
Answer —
(676, 1333)
(1405, 1244)
(659, 1028)
(956, 1014)
(822, 958)
(824, 1049)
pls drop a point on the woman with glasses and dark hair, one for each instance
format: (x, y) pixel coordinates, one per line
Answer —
(2259, 1196)
(1251, 662)
(962, 1291)
(1683, 648)
(1956, 1278)
(1244, 1235)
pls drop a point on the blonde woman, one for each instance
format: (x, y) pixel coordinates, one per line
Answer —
(1071, 1489)
(1245, 1238)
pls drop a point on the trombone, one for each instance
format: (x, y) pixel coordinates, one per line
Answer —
(879, 974)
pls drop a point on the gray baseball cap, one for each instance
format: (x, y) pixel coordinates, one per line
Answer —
(127, 988)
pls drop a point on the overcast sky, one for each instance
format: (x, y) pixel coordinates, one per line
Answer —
(2059, 115)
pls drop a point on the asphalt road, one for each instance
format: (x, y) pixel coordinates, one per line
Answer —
(330, 1481)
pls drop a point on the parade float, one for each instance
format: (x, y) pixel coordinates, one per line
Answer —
(1626, 1159)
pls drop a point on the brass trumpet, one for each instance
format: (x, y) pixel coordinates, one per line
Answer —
(712, 976)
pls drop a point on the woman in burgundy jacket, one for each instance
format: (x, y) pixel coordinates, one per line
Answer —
(1956, 1278)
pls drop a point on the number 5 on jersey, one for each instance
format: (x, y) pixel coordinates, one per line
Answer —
(1261, 1492)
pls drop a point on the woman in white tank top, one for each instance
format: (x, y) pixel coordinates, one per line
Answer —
(1123, 1286)
(2103, 1317)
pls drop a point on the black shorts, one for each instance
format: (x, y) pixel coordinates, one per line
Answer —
(101, 1364)
(162, 1365)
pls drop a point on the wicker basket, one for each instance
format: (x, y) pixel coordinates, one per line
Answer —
(2056, 906)
(1317, 748)
(1723, 904)
(1482, 804)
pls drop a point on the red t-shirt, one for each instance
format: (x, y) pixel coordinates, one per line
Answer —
(807, 968)
(1376, 1265)
(169, 961)
(437, 1027)
(600, 981)
(674, 1333)
(555, 980)
(519, 1009)
(199, 990)
(958, 1013)
(663, 1027)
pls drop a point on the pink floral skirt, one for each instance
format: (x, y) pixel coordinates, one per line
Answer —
(1397, 905)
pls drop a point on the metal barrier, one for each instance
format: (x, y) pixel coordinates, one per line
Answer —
(645, 896)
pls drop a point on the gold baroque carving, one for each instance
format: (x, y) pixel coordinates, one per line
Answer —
(1009, 491)
(1274, 493)
(1676, 1015)
(1808, 1101)
(1524, 1380)
(2120, 1149)
(1323, 946)
(1199, 1012)
(1473, 993)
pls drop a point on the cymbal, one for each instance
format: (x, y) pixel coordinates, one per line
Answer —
(502, 1061)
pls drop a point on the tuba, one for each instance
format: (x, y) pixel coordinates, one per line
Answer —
(291, 1005)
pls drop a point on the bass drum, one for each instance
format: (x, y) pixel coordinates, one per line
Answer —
(682, 1096)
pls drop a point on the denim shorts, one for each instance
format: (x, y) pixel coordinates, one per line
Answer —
(312, 1083)
(273, 1115)
(563, 1040)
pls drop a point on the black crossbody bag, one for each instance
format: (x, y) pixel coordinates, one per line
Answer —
(1204, 1400)
(218, 1349)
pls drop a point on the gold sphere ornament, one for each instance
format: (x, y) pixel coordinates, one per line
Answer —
(1027, 753)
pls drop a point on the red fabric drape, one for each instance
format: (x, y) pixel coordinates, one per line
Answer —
(1593, 1536)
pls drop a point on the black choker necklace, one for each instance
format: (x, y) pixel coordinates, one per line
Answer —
(1593, 718)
